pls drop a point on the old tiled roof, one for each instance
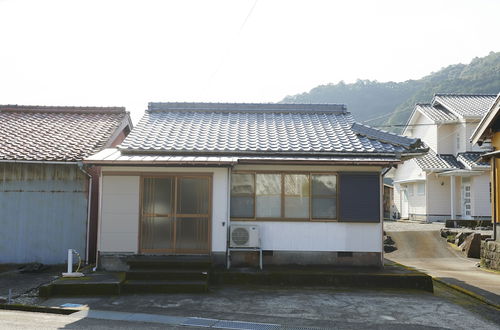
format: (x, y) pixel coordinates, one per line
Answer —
(472, 159)
(249, 129)
(465, 105)
(433, 161)
(436, 113)
(39, 133)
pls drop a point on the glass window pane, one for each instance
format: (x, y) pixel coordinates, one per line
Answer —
(242, 207)
(193, 195)
(157, 233)
(324, 208)
(268, 195)
(324, 184)
(242, 183)
(191, 234)
(296, 196)
(324, 196)
(157, 196)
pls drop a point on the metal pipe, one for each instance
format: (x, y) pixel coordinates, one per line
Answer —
(87, 243)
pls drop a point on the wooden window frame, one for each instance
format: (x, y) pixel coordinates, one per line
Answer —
(175, 176)
(282, 201)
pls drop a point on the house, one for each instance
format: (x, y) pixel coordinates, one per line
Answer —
(44, 190)
(488, 132)
(451, 181)
(307, 175)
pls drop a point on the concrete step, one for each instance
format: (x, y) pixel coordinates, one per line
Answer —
(168, 274)
(147, 286)
(169, 262)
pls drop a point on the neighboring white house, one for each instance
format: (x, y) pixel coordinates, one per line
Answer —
(450, 182)
(306, 174)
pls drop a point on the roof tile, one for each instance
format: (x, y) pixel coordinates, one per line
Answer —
(243, 129)
(35, 133)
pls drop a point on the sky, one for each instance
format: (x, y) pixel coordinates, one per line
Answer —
(129, 53)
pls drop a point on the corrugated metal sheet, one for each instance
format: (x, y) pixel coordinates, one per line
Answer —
(43, 212)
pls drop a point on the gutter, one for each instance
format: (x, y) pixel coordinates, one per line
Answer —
(87, 243)
(39, 162)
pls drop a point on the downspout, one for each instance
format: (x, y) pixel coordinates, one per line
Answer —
(87, 243)
(494, 199)
(228, 212)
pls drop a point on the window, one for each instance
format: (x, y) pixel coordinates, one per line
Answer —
(324, 196)
(268, 196)
(410, 189)
(421, 188)
(296, 196)
(242, 195)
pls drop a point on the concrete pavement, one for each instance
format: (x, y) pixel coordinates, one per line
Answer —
(298, 307)
(426, 251)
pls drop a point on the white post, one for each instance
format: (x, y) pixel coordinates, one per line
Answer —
(70, 261)
(452, 197)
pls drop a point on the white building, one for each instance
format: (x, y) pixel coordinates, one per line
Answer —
(450, 182)
(305, 174)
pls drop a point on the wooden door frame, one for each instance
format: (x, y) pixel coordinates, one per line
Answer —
(175, 176)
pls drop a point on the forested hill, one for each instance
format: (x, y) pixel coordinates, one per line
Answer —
(391, 103)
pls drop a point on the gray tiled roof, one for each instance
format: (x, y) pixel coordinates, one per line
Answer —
(247, 129)
(464, 160)
(385, 136)
(37, 133)
(472, 159)
(436, 113)
(465, 105)
(433, 161)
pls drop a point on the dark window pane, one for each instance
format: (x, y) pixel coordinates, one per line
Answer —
(324, 208)
(242, 207)
(193, 196)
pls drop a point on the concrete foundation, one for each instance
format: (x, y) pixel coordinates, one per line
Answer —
(307, 258)
(117, 262)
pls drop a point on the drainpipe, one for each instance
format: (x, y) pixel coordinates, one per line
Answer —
(87, 243)
(228, 210)
(452, 195)
(494, 199)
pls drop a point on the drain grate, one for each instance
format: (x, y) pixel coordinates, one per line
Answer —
(245, 325)
(200, 322)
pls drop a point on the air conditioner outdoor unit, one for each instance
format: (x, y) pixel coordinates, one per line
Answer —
(244, 236)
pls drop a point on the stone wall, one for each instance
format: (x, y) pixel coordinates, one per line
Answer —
(490, 254)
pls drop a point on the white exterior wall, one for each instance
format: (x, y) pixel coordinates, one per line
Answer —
(119, 216)
(480, 186)
(408, 171)
(447, 136)
(317, 236)
(439, 196)
(425, 130)
(469, 129)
